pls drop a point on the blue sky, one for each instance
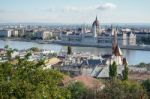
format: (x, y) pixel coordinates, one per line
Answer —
(75, 11)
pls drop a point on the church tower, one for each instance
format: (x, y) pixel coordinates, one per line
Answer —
(116, 51)
(115, 41)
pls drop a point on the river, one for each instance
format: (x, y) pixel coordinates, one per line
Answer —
(133, 56)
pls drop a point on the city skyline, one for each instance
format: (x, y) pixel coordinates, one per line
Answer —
(79, 11)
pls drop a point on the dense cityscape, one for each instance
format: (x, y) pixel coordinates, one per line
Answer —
(70, 55)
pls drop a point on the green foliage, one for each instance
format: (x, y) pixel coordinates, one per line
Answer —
(69, 50)
(27, 80)
(9, 52)
(116, 89)
(145, 40)
(77, 90)
(125, 72)
(34, 49)
(144, 65)
(27, 55)
(113, 70)
(146, 85)
(91, 94)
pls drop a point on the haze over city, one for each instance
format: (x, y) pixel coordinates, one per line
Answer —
(74, 11)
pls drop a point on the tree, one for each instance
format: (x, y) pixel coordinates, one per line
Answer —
(35, 49)
(28, 80)
(125, 72)
(69, 50)
(9, 52)
(117, 89)
(113, 70)
(146, 85)
(142, 65)
(77, 89)
(27, 55)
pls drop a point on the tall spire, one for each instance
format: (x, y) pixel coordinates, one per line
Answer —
(115, 41)
(115, 48)
(96, 26)
(96, 22)
(116, 37)
(96, 17)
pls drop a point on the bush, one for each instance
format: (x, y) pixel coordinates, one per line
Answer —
(113, 70)
(117, 89)
(27, 80)
(77, 89)
(146, 85)
(34, 49)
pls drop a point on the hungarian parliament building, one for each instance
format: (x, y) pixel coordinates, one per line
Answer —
(98, 36)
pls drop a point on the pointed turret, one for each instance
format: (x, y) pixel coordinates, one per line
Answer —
(96, 27)
(115, 48)
(117, 51)
(115, 42)
(96, 18)
(96, 22)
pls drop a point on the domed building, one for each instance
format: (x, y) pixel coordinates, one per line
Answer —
(96, 27)
(96, 23)
(97, 36)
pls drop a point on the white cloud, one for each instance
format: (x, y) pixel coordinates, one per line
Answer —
(71, 9)
(79, 9)
(52, 14)
(51, 9)
(106, 6)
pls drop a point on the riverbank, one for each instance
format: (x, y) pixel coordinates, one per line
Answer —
(136, 47)
(27, 40)
(133, 56)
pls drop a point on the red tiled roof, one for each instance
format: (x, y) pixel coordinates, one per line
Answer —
(117, 51)
(88, 81)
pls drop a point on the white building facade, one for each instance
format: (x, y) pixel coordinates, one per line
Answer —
(14, 33)
(98, 36)
(5, 33)
(44, 35)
